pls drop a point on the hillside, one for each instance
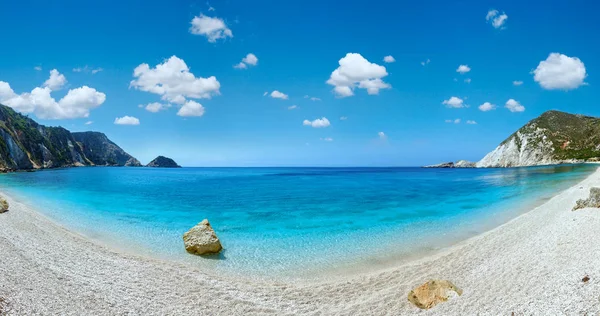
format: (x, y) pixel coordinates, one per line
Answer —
(551, 138)
(25, 144)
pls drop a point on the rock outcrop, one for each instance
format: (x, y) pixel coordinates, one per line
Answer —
(3, 206)
(202, 239)
(163, 162)
(432, 293)
(592, 201)
(25, 144)
(458, 164)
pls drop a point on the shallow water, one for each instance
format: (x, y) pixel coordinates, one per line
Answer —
(288, 221)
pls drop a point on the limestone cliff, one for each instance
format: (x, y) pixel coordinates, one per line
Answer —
(552, 138)
(25, 144)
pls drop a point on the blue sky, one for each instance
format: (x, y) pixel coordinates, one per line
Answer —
(298, 45)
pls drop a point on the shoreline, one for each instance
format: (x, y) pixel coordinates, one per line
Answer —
(531, 264)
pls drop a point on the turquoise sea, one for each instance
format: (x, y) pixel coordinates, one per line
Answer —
(288, 221)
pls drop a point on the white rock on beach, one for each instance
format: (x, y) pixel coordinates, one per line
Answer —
(201, 239)
(432, 293)
(3, 206)
(592, 201)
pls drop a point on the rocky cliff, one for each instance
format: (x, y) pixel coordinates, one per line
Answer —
(101, 151)
(25, 144)
(163, 162)
(552, 138)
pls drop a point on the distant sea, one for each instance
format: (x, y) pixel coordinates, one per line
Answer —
(288, 221)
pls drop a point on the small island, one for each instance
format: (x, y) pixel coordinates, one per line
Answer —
(163, 162)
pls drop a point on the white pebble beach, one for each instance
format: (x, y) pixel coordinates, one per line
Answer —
(532, 265)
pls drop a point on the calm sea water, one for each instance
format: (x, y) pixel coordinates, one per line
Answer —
(288, 220)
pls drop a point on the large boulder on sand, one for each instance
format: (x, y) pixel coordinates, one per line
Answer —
(201, 239)
(433, 292)
(592, 201)
(3, 206)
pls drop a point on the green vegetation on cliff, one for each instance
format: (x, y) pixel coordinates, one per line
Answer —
(25, 144)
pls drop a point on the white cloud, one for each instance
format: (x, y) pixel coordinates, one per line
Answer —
(265, 94)
(463, 69)
(89, 123)
(250, 59)
(471, 122)
(279, 95)
(155, 107)
(382, 135)
(496, 19)
(212, 28)
(77, 103)
(241, 65)
(560, 71)
(455, 121)
(327, 139)
(317, 123)
(487, 107)
(312, 98)
(468, 80)
(343, 118)
(355, 71)
(514, 106)
(423, 63)
(38, 68)
(127, 120)
(191, 108)
(517, 83)
(389, 59)
(87, 69)
(56, 80)
(292, 107)
(174, 81)
(454, 102)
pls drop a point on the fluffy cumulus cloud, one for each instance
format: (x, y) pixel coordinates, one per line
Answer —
(517, 83)
(560, 71)
(487, 107)
(56, 80)
(514, 106)
(454, 102)
(191, 108)
(496, 19)
(279, 95)
(463, 69)
(249, 60)
(155, 107)
(382, 135)
(212, 28)
(471, 122)
(357, 72)
(127, 120)
(389, 59)
(317, 123)
(77, 103)
(173, 81)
